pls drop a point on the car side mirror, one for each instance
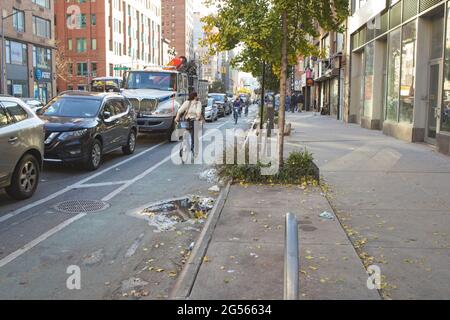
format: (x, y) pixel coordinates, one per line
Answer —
(106, 115)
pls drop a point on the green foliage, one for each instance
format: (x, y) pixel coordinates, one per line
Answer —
(297, 168)
(217, 87)
(255, 27)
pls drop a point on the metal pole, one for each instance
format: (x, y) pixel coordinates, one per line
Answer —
(262, 95)
(291, 260)
(2, 89)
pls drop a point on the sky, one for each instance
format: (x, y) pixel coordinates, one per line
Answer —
(203, 9)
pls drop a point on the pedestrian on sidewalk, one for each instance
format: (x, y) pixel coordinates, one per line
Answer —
(294, 103)
(287, 104)
(302, 102)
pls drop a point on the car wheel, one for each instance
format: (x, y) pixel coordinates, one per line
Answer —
(25, 178)
(95, 156)
(131, 143)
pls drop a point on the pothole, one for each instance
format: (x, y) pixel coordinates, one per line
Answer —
(81, 206)
(164, 215)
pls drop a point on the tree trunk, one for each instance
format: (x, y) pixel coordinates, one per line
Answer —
(283, 79)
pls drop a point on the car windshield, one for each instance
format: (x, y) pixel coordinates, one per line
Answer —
(218, 97)
(210, 102)
(151, 80)
(72, 107)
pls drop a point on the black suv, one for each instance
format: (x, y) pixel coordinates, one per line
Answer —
(83, 126)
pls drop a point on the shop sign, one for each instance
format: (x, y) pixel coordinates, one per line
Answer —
(42, 75)
(38, 74)
(46, 75)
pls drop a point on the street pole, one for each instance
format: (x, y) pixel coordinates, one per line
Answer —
(262, 95)
(2, 89)
(3, 53)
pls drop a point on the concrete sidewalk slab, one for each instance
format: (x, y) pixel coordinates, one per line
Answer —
(245, 258)
(391, 196)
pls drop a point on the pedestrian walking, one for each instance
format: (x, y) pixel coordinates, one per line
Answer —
(294, 102)
(301, 102)
(287, 104)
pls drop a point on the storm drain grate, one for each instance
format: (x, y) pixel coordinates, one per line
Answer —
(81, 206)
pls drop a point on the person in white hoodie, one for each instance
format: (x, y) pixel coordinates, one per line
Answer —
(190, 111)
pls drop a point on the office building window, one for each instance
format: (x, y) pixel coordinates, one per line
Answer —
(81, 44)
(43, 3)
(82, 69)
(41, 27)
(19, 20)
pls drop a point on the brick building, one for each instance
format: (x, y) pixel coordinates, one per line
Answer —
(29, 48)
(99, 37)
(178, 25)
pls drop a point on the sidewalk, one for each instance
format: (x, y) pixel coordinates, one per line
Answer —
(245, 257)
(392, 197)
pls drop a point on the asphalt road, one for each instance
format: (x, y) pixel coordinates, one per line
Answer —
(111, 248)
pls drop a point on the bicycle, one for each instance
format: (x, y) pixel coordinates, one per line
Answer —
(186, 146)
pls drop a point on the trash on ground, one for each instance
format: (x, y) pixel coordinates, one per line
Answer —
(191, 246)
(326, 215)
(214, 188)
(165, 215)
(254, 255)
(209, 175)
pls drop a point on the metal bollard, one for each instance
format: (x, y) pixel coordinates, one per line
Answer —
(291, 260)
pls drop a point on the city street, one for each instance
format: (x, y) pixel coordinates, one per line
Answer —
(119, 255)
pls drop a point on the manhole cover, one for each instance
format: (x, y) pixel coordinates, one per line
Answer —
(81, 206)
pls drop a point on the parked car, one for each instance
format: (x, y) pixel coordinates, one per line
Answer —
(211, 110)
(82, 126)
(222, 102)
(22, 148)
(33, 103)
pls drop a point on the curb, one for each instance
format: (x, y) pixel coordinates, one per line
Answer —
(186, 280)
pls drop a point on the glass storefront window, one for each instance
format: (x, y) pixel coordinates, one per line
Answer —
(16, 53)
(42, 58)
(393, 78)
(445, 116)
(407, 72)
(368, 80)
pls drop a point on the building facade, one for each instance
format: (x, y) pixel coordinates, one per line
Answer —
(104, 37)
(178, 25)
(400, 69)
(29, 49)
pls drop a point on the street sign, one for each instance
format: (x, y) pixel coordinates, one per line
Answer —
(121, 68)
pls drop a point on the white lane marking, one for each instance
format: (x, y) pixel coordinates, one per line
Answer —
(147, 172)
(75, 185)
(38, 240)
(66, 223)
(100, 184)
